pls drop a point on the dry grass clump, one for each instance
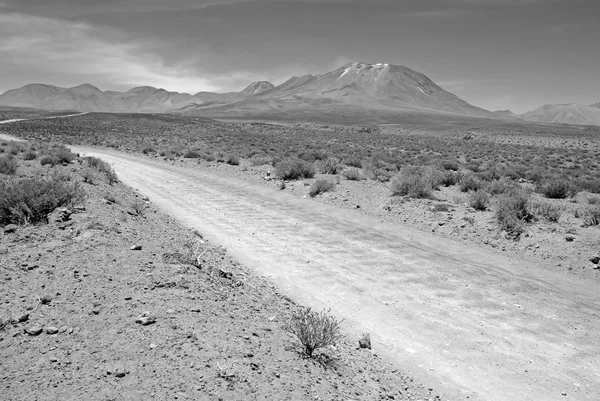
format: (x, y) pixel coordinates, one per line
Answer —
(556, 189)
(479, 200)
(102, 167)
(56, 155)
(590, 215)
(352, 174)
(512, 212)
(416, 181)
(30, 200)
(8, 165)
(546, 210)
(233, 160)
(314, 330)
(469, 182)
(321, 186)
(331, 165)
(294, 169)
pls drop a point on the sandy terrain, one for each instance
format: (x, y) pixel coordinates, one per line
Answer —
(489, 326)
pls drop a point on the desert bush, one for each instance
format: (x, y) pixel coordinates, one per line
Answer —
(450, 177)
(294, 169)
(479, 200)
(30, 155)
(314, 330)
(148, 150)
(320, 186)
(191, 154)
(556, 189)
(329, 166)
(450, 165)
(233, 160)
(8, 165)
(590, 215)
(258, 160)
(497, 187)
(138, 207)
(469, 182)
(416, 181)
(379, 170)
(545, 210)
(352, 162)
(102, 167)
(352, 174)
(30, 200)
(512, 212)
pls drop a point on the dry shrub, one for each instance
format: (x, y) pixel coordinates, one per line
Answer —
(479, 200)
(352, 174)
(546, 210)
(590, 215)
(416, 181)
(329, 166)
(233, 160)
(191, 154)
(469, 182)
(102, 167)
(314, 330)
(294, 169)
(8, 165)
(379, 170)
(512, 212)
(556, 189)
(501, 186)
(31, 200)
(320, 186)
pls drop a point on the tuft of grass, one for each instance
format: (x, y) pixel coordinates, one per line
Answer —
(191, 154)
(479, 200)
(590, 215)
(30, 155)
(102, 167)
(321, 186)
(512, 212)
(233, 160)
(330, 166)
(31, 200)
(416, 182)
(294, 169)
(352, 174)
(8, 165)
(314, 330)
(469, 182)
(556, 189)
(546, 210)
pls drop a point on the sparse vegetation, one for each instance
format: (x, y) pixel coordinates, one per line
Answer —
(591, 215)
(546, 210)
(294, 169)
(30, 200)
(8, 165)
(556, 189)
(479, 200)
(321, 186)
(416, 181)
(314, 330)
(352, 174)
(512, 212)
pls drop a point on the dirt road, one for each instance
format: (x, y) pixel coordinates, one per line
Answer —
(473, 322)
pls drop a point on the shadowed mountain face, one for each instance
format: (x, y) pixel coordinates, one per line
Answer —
(565, 114)
(360, 91)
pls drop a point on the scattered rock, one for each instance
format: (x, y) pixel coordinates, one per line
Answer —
(225, 274)
(153, 346)
(63, 329)
(10, 228)
(34, 330)
(569, 238)
(595, 260)
(365, 340)
(46, 299)
(145, 319)
(120, 371)
(60, 215)
(136, 248)
(23, 318)
(51, 330)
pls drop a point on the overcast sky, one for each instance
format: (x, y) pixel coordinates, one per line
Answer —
(496, 54)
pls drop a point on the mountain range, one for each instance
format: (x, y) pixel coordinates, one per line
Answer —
(355, 92)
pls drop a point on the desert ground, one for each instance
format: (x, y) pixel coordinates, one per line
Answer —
(463, 307)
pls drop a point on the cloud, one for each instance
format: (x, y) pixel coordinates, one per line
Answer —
(87, 53)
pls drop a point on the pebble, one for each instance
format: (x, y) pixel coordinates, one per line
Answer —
(170, 311)
(569, 238)
(153, 346)
(10, 228)
(63, 329)
(51, 330)
(120, 371)
(136, 247)
(34, 330)
(145, 319)
(365, 340)
(595, 260)
(23, 318)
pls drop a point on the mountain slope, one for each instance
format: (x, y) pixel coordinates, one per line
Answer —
(366, 89)
(565, 114)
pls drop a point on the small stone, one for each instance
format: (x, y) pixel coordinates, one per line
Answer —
(153, 346)
(23, 318)
(595, 260)
(34, 330)
(170, 311)
(63, 329)
(51, 330)
(569, 238)
(46, 299)
(145, 319)
(272, 319)
(10, 228)
(365, 340)
(120, 371)
(136, 248)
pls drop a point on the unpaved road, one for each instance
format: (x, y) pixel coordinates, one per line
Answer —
(471, 321)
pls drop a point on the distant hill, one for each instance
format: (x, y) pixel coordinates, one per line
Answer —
(143, 99)
(565, 114)
(361, 90)
(506, 114)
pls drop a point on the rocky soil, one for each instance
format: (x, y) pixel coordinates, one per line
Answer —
(111, 304)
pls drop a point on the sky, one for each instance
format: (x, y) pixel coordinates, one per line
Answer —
(495, 54)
